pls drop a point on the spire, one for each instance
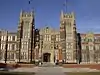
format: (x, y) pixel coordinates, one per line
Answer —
(61, 15)
(73, 14)
(32, 12)
(21, 12)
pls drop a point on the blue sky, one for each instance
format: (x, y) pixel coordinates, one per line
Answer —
(47, 12)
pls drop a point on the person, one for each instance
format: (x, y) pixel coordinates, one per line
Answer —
(57, 61)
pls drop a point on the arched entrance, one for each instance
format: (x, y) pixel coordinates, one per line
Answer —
(46, 57)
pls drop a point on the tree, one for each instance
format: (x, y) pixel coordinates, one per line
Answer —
(6, 46)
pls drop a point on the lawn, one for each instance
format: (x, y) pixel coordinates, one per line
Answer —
(82, 73)
(15, 73)
(92, 66)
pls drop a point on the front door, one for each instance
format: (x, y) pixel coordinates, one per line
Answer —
(46, 57)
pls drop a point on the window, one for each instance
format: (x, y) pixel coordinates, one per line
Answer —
(47, 29)
(2, 37)
(69, 46)
(22, 45)
(13, 38)
(12, 55)
(89, 40)
(96, 47)
(83, 47)
(91, 47)
(8, 46)
(22, 55)
(49, 37)
(8, 56)
(25, 57)
(17, 55)
(87, 47)
(4, 46)
(8, 38)
(45, 37)
(13, 46)
(1, 46)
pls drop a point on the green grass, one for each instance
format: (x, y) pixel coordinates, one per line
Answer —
(82, 73)
(15, 73)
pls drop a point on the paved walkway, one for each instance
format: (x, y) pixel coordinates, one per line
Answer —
(48, 69)
(41, 70)
(45, 69)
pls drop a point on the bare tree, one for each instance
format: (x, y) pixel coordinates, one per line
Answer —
(6, 46)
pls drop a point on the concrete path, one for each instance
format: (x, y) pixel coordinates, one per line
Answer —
(50, 70)
(79, 70)
(45, 69)
(41, 70)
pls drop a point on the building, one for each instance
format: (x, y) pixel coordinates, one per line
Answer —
(8, 42)
(90, 43)
(48, 44)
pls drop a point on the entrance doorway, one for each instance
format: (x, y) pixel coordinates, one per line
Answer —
(46, 57)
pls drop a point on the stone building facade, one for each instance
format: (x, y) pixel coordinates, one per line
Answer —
(90, 43)
(48, 44)
(11, 48)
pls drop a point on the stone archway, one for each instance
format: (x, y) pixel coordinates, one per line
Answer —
(46, 57)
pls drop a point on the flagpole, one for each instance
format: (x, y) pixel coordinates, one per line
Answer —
(65, 8)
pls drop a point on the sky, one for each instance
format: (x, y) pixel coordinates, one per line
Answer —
(47, 13)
